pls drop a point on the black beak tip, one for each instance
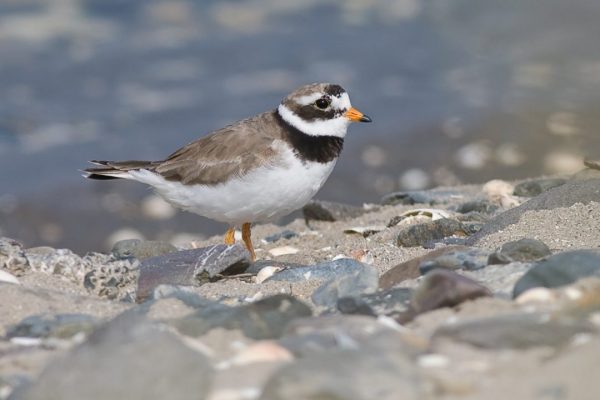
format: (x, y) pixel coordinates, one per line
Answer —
(366, 118)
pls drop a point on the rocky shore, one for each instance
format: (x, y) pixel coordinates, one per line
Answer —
(470, 292)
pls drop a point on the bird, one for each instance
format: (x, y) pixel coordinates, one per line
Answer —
(255, 170)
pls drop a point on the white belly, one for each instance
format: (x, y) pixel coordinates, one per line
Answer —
(263, 194)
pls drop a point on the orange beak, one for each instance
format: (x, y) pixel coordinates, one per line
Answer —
(356, 116)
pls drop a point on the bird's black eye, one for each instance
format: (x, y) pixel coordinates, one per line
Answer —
(322, 103)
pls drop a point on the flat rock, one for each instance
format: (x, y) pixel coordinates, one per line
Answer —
(515, 331)
(317, 210)
(141, 249)
(191, 267)
(418, 235)
(444, 288)
(128, 358)
(61, 326)
(389, 302)
(411, 268)
(563, 196)
(323, 271)
(263, 319)
(522, 250)
(535, 187)
(364, 280)
(469, 259)
(559, 270)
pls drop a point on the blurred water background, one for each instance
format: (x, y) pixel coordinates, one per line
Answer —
(459, 91)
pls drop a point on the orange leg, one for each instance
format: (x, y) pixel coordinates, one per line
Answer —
(230, 236)
(246, 237)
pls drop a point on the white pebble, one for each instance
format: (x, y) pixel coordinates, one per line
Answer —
(8, 278)
(433, 361)
(536, 295)
(265, 273)
(283, 250)
(414, 179)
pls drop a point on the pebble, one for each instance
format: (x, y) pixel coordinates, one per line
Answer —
(285, 234)
(411, 268)
(283, 251)
(365, 231)
(141, 249)
(480, 206)
(264, 319)
(262, 351)
(515, 331)
(8, 278)
(431, 197)
(559, 270)
(128, 358)
(323, 271)
(538, 186)
(418, 235)
(444, 288)
(470, 259)
(317, 210)
(390, 303)
(191, 267)
(362, 281)
(522, 250)
(60, 326)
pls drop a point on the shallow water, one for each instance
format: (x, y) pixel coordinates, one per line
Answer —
(458, 91)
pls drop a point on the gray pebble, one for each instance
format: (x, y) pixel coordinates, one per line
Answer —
(522, 250)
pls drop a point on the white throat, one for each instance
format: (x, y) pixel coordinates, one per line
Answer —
(320, 127)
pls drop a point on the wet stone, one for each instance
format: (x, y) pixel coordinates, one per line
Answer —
(522, 250)
(559, 270)
(141, 249)
(127, 358)
(191, 267)
(515, 331)
(61, 326)
(421, 234)
(318, 210)
(364, 280)
(444, 288)
(536, 187)
(390, 302)
(263, 319)
(286, 234)
(469, 259)
(323, 271)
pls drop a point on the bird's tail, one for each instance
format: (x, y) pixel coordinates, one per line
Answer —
(115, 169)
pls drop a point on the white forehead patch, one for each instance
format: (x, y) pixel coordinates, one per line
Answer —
(338, 103)
(309, 99)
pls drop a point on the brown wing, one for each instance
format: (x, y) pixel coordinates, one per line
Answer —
(232, 151)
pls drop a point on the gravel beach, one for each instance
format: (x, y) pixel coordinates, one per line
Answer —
(465, 292)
